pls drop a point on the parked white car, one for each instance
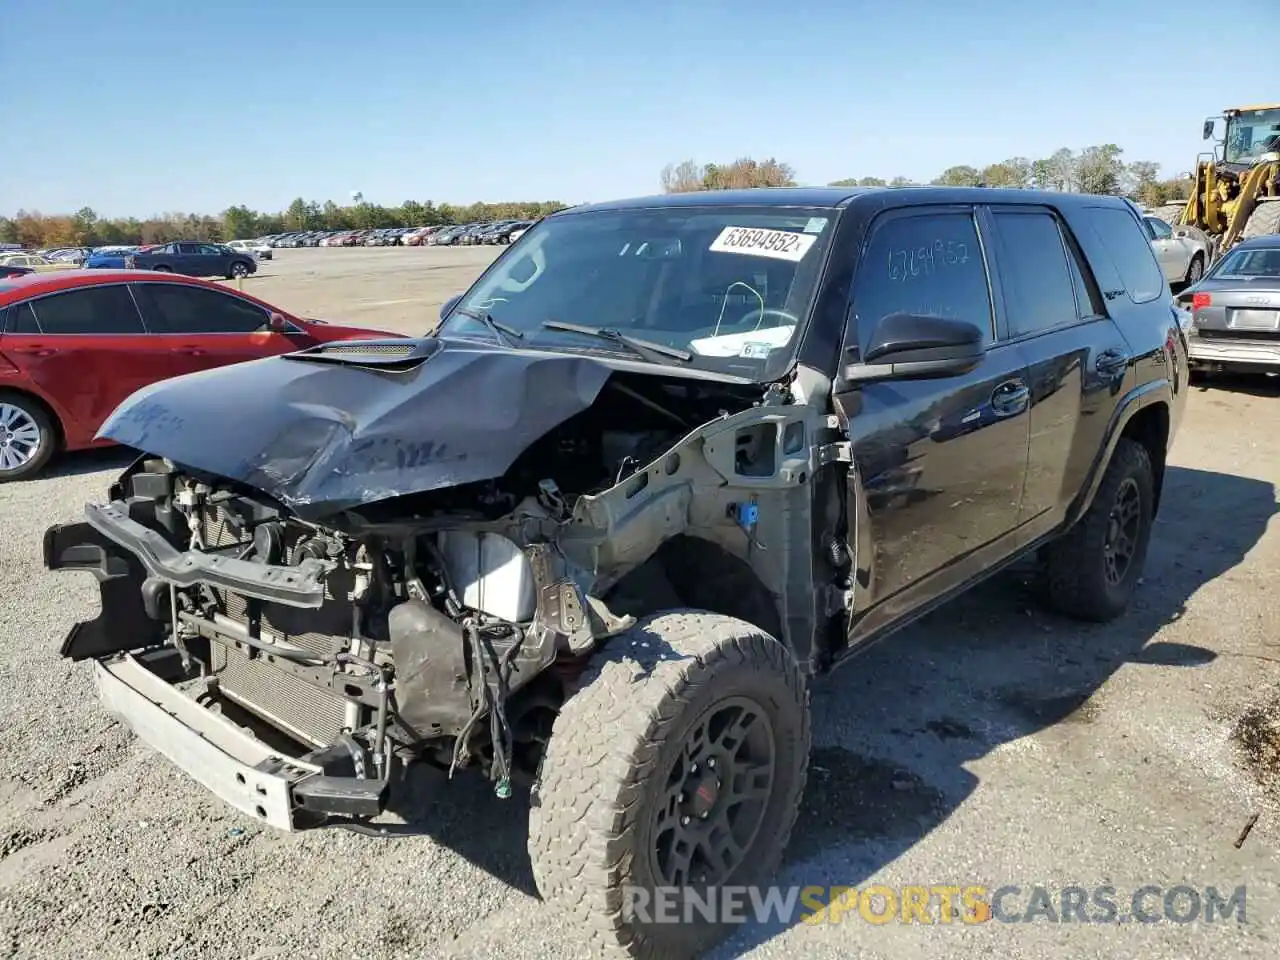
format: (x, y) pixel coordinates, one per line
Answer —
(255, 247)
(1184, 252)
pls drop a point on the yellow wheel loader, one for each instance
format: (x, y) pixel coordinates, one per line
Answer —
(1235, 192)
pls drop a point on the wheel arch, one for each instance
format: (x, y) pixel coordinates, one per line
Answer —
(684, 563)
(1144, 416)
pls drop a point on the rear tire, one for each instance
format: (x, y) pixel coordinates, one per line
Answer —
(630, 796)
(1264, 220)
(28, 436)
(161, 268)
(1093, 569)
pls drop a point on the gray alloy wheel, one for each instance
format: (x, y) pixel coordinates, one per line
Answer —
(26, 437)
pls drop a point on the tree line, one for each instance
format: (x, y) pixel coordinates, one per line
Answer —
(85, 228)
(1095, 169)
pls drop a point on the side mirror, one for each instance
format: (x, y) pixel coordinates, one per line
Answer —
(1180, 233)
(276, 323)
(449, 305)
(909, 346)
(1208, 129)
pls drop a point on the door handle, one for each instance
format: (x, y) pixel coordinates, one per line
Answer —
(35, 351)
(189, 351)
(1010, 398)
(1111, 362)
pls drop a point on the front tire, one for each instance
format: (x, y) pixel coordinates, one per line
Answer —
(238, 272)
(1195, 270)
(679, 762)
(1093, 569)
(27, 437)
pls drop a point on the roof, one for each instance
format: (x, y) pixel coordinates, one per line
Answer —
(842, 197)
(35, 284)
(1266, 242)
(758, 197)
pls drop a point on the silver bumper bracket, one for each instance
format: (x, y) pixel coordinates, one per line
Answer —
(223, 757)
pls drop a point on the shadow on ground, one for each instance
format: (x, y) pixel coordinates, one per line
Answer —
(86, 461)
(1254, 385)
(894, 729)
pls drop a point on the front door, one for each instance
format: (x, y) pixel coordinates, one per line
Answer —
(938, 465)
(204, 328)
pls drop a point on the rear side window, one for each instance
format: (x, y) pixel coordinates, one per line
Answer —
(928, 264)
(1035, 276)
(93, 310)
(180, 308)
(1130, 250)
(22, 319)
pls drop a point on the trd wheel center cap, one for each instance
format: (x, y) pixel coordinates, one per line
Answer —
(703, 795)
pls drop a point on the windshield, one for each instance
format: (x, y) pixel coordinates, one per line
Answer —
(1251, 134)
(1242, 264)
(730, 285)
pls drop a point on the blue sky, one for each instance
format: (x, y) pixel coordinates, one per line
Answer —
(137, 107)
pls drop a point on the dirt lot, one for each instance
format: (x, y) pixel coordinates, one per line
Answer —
(990, 744)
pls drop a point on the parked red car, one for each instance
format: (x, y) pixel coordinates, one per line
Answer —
(74, 344)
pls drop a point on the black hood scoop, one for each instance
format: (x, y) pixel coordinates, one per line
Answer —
(390, 355)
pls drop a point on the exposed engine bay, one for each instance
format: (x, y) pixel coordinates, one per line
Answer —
(439, 624)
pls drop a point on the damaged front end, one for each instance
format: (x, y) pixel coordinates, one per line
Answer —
(290, 662)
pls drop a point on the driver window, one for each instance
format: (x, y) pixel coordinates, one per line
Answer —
(182, 308)
(1159, 229)
(929, 264)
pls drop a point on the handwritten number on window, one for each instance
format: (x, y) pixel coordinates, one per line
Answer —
(926, 260)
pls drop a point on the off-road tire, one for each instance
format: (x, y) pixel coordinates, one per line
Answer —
(611, 751)
(1264, 220)
(44, 422)
(1075, 579)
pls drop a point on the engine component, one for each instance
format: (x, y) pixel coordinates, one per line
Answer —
(490, 574)
(431, 692)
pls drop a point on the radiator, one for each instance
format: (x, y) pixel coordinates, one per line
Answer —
(288, 702)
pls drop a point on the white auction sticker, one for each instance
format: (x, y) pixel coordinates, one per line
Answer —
(757, 242)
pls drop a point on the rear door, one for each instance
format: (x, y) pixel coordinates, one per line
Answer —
(87, 348)
(941, 462)
(1076, 356)
(204, 327)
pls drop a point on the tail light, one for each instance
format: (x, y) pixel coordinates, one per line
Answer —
(1201, 300)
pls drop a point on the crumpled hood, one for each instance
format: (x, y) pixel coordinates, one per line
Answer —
(325, 436)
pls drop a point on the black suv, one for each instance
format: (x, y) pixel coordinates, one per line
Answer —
(665, 460)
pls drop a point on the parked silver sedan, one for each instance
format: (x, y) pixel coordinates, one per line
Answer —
(1183, 252)
(1235, 310)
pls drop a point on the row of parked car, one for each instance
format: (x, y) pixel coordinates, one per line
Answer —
(487, 232)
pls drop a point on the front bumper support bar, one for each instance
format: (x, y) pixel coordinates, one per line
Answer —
(300, 586)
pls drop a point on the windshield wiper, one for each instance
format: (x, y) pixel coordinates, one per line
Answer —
(504, 333)
(653, 352)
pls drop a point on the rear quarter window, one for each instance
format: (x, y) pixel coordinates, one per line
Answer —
(1127, 244)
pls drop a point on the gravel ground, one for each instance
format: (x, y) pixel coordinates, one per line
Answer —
(990, 744)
